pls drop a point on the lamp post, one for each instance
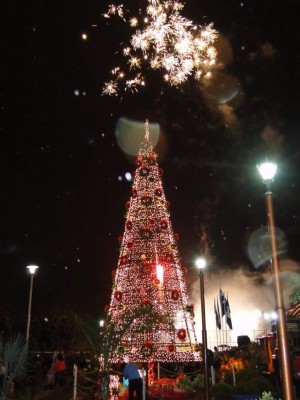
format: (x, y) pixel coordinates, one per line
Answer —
(267, 170)
(201, 264)
(32, 269)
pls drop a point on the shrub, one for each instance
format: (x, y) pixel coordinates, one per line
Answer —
(198, 382)
(266, 396)
(222, 391)
(188, 384)
(185, 383)
(249, 381)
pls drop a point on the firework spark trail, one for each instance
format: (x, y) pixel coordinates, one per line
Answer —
(168, 42)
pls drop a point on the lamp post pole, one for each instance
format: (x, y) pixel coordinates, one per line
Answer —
(267, 171)
(201, 263)
(32, 269)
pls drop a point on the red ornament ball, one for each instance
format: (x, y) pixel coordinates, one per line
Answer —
(181, 334)
(170, 348)
(156, 282)
(158, 192)
(128, 224)
(163, 224)
(175, 294)
(118, 295)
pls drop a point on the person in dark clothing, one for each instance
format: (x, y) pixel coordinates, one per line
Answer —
(135, 381)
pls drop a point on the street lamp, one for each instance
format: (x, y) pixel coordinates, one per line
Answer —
(32, 269)
(201, 264)
(267, 171)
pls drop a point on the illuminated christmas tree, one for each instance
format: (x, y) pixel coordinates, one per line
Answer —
(149, 284)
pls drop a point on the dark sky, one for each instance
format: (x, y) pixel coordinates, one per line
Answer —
(62, 201)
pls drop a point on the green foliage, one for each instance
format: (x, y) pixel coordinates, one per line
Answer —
(198, 382)
(78, 331)
(266, 396)
(222, 391)
(189, 384)
(185, 383)
(295, 296)
(113, 334)
(13, 353)
(249, 381)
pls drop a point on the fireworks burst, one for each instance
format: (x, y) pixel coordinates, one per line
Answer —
(163, 40)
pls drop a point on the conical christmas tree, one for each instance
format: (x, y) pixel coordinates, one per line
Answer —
(149, 285)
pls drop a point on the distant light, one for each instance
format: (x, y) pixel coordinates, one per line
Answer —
(84, 36)
(273, 315)
(120, 178)
(128, 176)
(101, 323)
(76, 92)
(267, 170)
(200, 263)
(46, 319)
(32, 268)
(258, 313)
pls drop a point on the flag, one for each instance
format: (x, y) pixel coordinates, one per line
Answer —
(222, 303)
(217, 314)
(218, 311)
(227, 313)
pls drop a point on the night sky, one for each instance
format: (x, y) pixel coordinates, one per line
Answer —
(63, 183)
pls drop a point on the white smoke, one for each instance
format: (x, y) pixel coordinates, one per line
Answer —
(251, 298)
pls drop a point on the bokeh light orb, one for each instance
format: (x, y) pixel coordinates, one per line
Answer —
(223, 87)
(259, 246)
(224, 51)
(131, 133)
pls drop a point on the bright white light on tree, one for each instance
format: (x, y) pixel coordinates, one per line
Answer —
(128, 176)
(160, 273)
(267, 170)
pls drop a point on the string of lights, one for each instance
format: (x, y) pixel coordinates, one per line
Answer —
(150, 274)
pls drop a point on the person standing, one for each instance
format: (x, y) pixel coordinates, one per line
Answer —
(131, 373)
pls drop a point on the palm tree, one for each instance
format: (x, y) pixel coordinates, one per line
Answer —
(112, 337)
(13, 355)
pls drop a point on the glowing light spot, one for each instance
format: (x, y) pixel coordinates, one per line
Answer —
(160, 273)
(84, 36)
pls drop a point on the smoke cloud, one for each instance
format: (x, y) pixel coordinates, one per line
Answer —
(251, 299)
